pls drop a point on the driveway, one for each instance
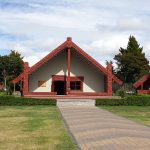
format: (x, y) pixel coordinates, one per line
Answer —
(97, 129)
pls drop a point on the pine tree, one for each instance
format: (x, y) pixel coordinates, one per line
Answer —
(131, 62)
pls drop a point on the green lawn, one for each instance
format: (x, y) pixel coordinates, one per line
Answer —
(140, 114)
(33, 128)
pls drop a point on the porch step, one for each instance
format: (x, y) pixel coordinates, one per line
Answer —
(75, 102)
(73, 97)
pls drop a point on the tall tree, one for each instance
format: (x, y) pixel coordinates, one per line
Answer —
(10, 66)
(131, 62)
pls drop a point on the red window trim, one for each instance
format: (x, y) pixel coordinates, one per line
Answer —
(76, 86)
(64, 78)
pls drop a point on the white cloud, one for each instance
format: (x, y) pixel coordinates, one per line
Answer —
(107, 46)
(32, 55)
(98, 26)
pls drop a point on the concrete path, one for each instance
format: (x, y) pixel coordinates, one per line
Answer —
(97, 129)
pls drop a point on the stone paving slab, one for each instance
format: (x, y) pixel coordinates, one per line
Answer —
(98, 129)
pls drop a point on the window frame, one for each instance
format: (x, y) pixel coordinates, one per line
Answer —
(41, 83)
(78, 85)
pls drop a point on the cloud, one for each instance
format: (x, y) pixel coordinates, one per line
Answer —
(34, 27)
(33, 54)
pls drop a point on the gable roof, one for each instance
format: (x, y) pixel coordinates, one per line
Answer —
(70, 44)
(67, 44)
(141, 80)
(17, 79)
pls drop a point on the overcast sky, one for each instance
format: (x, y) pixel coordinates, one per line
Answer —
(100, 27)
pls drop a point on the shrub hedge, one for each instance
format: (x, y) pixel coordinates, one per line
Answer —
(3, 93)
(19, 101)
(127, 101)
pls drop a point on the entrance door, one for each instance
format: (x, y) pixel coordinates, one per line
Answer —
(59, 87)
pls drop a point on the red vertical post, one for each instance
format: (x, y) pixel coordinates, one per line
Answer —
(109, 79)
(69, 45)
(142, 86)
(68, 78)
(25, 79)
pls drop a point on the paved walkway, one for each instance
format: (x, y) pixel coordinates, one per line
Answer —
(97, 129)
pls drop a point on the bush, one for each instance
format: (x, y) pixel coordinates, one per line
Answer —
(19, 101)
(3, 93)
(138, 100)
(109, 102)
(128, 101)
(121, 92)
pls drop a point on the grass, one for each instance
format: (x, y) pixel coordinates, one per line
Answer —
(140, 114)
(33, 128)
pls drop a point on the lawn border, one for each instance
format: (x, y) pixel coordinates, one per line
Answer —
(125, 117)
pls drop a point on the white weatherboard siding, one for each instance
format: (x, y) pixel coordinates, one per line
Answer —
(56, 66)
(93, 79)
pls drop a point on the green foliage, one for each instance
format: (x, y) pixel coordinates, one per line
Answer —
(131, 62)
(128, 101)
(10, 66)
(109, 102)
(3, 93)
(121, 92)
(19, 101)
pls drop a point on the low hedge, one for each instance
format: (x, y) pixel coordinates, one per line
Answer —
(3, 93)
(109, 102)
(19, 101)
(138, 101)
(127, 101)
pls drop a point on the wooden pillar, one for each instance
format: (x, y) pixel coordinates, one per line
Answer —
(25, 79)
(142, 86)
(69, 45)
(14, 88)
(109, 79)
(68, 78)
(21, 87)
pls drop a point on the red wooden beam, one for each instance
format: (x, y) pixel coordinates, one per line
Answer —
(68, 78)
(17, 79)
(141, 80)
(109, 79)
(26, 79)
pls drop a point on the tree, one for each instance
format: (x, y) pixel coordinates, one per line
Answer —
(10, 66)
(15, 63)
(131, 62)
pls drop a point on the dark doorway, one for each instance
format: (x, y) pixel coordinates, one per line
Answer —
(59, 87)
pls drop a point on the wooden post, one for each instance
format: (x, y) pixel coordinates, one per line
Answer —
(68, 78)
(14, 88)
(69, 45)
(21, 88)
(109, 79)
(25, 81)
(142, 86)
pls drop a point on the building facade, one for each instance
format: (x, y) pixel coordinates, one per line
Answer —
(67, 70)
(142, 86)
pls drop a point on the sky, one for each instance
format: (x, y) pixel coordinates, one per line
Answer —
(100, 27)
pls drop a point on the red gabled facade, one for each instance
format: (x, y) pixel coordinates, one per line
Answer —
(68, 44)
(143, 85)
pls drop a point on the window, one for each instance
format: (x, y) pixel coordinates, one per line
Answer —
(41, 83)
(75, 85)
